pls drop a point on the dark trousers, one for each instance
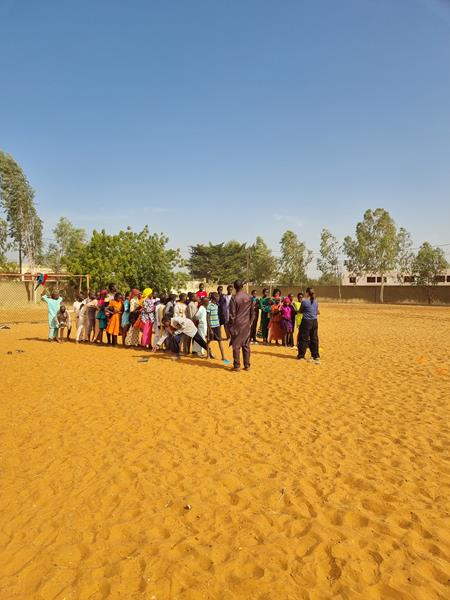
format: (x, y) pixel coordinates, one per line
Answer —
(254, 328)
(175, 342)
(308, 336)
(237, 346)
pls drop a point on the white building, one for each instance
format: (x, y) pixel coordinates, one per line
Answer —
(391, 278)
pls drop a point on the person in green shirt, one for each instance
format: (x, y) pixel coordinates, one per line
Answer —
(265, 303)
(53, 305)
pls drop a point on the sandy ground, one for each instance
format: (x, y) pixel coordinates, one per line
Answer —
(183, 481)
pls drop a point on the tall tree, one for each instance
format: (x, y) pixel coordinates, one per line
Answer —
(261, 262)
(405, 257)
(328, 263)
(128, 259)
(376, 246)
(218, 263)
(295, 258)
(17, 200)
(3, 240)
(429, 263)
(68, 240)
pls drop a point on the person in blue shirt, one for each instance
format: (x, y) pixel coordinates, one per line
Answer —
(308, 335)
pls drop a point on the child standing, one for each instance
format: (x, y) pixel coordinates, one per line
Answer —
(76, 309)
(159, 315)
(180, 307)
(201, 318)
(102, 320)
(114, 309)
(286, 321)
(254, 327)
(53, 305)
(275, 330)
(298, 315)
(125, 317)
(63, 318)
(82, 321)
(214, 334)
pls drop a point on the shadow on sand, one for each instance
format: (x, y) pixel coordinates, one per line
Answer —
(162, 355)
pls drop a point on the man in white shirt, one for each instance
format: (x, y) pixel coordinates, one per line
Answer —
(76, 307)
(174, 328)
(82, 321)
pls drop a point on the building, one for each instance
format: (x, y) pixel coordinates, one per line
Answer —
(391, 278)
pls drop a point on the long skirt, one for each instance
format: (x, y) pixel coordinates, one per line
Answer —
(147, 334)
(132, 338)
(275, 331)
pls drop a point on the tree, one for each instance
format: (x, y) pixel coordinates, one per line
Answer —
(295, 259)
(128, 259)
(328, 263)
(427, 265)
(3, 240)
(68, 240)
(17, 200)
(376, 246)
(262, 265)
(405, 257)
(218, 263)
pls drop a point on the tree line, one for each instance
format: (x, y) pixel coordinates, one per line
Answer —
(132, 259)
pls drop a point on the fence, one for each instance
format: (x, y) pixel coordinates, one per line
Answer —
(20, 298)
(20, 301)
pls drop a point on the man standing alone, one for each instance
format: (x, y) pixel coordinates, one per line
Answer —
(240, 321)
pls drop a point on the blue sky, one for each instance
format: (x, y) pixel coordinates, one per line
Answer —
(224, 120)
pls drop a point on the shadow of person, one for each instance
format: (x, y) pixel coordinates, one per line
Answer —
(183, 360)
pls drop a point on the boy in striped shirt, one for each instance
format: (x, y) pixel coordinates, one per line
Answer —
(214, 334)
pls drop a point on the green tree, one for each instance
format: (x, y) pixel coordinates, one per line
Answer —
(405, 257)
(328, 263)
(128, 259)
(375, 249)
(17, 200)
(218, 263)
(295, 258)
(68, 240)
(262, 265)
(3, 240)
(429, 263)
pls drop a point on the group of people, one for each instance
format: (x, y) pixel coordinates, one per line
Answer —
(189, 322)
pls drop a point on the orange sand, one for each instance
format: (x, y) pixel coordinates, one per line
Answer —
(304, 482)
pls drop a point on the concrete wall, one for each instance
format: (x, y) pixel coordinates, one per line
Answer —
(17, 294)
(393, 294)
